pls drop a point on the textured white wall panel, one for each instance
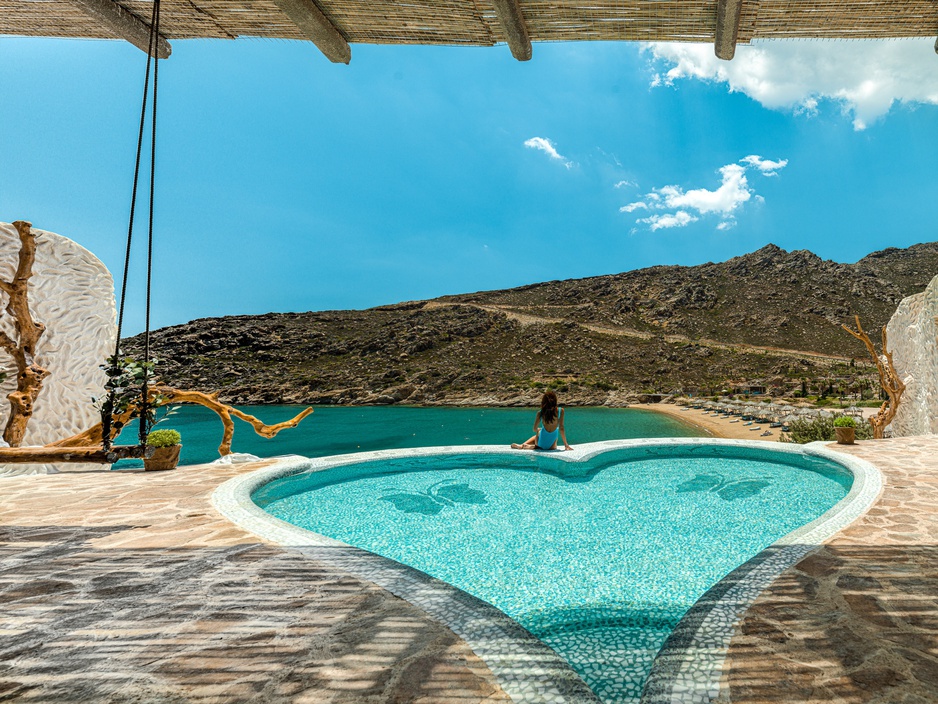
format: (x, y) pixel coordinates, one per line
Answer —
(72, 293)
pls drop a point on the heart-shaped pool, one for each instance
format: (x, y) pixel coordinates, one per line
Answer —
(598, 558)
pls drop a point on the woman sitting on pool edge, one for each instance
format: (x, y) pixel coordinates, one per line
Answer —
(545, 438)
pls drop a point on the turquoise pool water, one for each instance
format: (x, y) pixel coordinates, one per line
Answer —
(599, 559)
(335, 430)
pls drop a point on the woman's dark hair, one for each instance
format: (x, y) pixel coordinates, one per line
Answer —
(549, 407)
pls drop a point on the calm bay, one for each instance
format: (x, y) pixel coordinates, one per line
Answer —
(335, 430)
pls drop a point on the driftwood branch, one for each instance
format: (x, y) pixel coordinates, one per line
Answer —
(888, 379)
(169, 395)
(22, 346)
(225, 412)
(42, 455)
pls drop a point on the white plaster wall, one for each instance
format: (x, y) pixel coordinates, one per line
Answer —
(72, 293)
(913, 340)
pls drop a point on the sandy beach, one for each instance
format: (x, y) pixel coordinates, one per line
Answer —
(714, 425)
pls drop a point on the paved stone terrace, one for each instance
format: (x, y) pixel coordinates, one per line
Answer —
(856, 621)
(128, 586)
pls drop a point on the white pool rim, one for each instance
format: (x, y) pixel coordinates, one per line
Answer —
(688, 667)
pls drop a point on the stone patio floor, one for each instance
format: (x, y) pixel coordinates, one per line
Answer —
(857, 620)
(128, 586)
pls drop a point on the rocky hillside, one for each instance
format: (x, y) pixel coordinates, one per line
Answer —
(769, 317)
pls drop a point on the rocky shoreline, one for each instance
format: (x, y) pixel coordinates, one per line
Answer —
(415, 397)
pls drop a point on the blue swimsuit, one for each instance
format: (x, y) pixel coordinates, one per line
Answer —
(546, 440)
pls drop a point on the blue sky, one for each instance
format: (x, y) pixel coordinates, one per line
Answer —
(287, 183)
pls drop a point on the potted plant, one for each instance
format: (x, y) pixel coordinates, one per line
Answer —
(845, 428)
(166, 444)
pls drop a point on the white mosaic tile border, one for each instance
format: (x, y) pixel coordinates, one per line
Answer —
(689, 666)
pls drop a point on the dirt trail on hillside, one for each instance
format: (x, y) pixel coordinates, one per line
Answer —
(511, 312)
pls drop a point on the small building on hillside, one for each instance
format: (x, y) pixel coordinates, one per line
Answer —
(745, 389)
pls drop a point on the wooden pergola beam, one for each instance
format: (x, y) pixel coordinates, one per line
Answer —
(318, 28)
(513, 25)
(126, 25)
(728, 12)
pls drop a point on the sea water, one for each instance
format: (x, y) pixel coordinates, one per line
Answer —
(335, 430)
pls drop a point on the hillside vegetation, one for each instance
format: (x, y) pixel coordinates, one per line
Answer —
(770, 317)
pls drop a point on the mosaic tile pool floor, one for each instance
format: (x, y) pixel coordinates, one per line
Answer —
(600, 564)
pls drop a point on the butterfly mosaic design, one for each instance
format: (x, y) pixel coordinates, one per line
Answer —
(435, 498)
(728, 490)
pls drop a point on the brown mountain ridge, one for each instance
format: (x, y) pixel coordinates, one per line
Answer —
(769, 317)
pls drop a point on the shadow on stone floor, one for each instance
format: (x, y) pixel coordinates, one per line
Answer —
(847, 624)
(246, 622)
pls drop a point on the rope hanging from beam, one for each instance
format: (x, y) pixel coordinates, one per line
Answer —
(145, 408)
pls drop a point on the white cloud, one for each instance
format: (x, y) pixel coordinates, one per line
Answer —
(631, 207)
(678, 219)
(768, 168)
(864, 77)
(725, 200)
(625, 184)
(545, 145)
(733, 192)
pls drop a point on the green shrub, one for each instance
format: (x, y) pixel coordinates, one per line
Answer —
(821, 429)
(164, 438)
(126, 378)
(845, 422)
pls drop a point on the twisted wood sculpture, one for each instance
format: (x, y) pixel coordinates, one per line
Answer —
(161, 395)
(888, 379)
(22, 345)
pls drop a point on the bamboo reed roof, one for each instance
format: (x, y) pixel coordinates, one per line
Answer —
(474, 22)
